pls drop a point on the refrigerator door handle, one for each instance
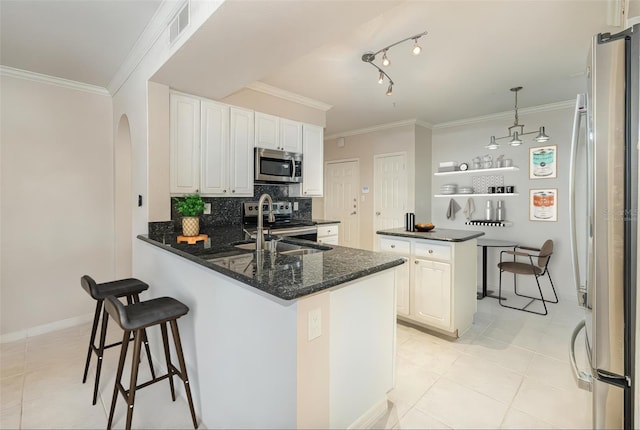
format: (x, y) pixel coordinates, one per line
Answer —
(577, 117)
(583, 379)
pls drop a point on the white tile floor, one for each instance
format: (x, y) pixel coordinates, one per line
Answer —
(510, 370)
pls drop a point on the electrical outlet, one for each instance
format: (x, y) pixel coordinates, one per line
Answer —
(315, 324)
(207, 209)
(295, 206)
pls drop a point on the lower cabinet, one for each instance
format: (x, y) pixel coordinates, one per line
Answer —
(437, 287)
(328, 234)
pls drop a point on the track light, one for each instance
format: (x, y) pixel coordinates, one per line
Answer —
(385, 60)
(516, 131)
(369, 57)
(416, 48)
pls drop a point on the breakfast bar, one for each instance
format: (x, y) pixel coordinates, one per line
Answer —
(303, 336)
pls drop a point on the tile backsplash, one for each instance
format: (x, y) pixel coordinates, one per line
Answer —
(228, 210)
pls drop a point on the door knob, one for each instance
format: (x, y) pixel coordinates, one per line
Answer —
(353, 213)
(378, 213)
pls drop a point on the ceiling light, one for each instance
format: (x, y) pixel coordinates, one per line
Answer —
(369, 57)
(514, 134)
(492, 143)
(385, 60)
(516, 141)
(416, 48)
(542, 136)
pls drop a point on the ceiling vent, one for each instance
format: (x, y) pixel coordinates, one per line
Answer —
(179, 23)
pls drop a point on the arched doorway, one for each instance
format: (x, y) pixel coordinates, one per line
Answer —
(122, 199)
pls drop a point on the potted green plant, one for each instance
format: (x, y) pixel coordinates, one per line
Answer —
(190, 207)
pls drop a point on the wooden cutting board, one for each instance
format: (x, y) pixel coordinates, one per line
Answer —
(191, 240)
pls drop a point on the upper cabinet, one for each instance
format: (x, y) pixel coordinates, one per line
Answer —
(211, 148)
(277, 133)
(312, 160)
(185, 144)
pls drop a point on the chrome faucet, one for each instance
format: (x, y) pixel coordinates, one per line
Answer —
(260, 229)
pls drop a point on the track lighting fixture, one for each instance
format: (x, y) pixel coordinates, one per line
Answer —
(516, 135)
(369, 57)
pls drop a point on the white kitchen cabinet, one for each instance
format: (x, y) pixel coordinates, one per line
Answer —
(431, 292)
(400, 247)
(267, 131)
(215, 148)
(312, 160)
(290, 135)
(439, 291)
(328, 234)
(211, 148)
(277, 133)
(184, 151)
(241, 152)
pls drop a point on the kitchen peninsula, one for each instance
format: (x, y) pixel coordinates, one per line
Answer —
(279, 340)
(437, 289)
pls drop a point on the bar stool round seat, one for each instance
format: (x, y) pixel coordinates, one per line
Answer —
(129, 288)
(135, 318)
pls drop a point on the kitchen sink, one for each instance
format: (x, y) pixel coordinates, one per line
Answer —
(285, 248)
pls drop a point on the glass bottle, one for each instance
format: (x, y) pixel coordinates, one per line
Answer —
(500, 211)
(488, 212)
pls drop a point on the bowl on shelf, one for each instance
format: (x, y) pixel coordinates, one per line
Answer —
(425, 227)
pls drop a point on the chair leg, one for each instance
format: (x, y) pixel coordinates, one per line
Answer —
(117, 385)
(167, 356)
(135, 298)
(92, 339)
(135, 365)
(183, 369)
(553, 288)
(103, 335)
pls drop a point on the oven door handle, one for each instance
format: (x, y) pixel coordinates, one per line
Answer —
(293, 231)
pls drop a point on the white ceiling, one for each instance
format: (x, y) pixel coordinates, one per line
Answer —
(474, 52)
(80, 40)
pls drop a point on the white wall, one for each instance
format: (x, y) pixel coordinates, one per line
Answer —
(57, 201)
(463, 142)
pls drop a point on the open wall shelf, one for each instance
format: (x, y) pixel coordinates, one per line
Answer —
(478, 195)
(478, 171)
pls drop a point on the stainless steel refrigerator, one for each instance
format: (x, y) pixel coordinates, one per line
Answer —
(604, 212)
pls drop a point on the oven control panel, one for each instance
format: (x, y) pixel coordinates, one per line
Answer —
(284, 209)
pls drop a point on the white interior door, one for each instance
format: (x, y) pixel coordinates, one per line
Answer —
(390, 191)
(342, 182)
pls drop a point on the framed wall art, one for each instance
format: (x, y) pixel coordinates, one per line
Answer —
(543, 162)
(543, 204)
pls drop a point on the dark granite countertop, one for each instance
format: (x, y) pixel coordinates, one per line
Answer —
(285, 276)
(444, 234)
(324, 221)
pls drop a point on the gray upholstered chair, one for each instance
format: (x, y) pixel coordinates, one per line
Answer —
(529, 262)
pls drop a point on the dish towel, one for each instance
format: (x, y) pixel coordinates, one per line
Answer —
(469, 208)
(452, 209)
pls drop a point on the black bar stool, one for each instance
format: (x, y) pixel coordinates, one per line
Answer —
(129, 288)
(135, 318)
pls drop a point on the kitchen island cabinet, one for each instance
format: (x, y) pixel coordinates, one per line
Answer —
(279, 341)
(438, 287)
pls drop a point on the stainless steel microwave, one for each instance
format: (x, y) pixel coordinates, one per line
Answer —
(277, 166)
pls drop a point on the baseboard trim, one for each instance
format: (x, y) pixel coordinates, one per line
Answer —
(369, 418)
(46, 328)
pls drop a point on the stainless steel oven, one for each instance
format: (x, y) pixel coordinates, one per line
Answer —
(273, 166)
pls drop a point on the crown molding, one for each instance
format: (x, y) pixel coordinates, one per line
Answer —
(380, 127)
(288, 95)
(152, 32)
(52, 80)
(506, 115)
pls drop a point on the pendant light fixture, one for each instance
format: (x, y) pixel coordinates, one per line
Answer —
(516, 131)
(369, 57)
